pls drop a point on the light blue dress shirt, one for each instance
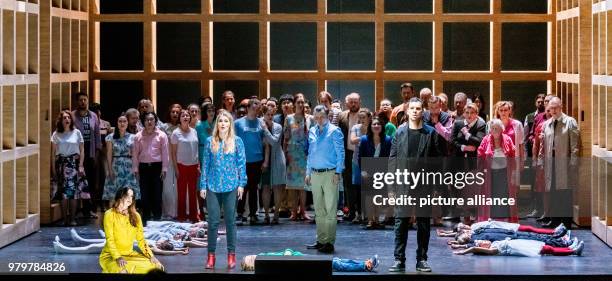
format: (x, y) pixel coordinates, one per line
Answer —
(325, 148)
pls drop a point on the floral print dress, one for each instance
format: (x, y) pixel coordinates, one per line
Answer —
(297, 145)
(122, 167)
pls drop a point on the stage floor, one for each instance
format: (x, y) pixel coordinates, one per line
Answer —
(352, 242)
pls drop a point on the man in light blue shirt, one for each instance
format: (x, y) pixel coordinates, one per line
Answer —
(323, 169)
(249, 129)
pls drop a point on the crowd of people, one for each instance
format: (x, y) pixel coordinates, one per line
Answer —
(282, 156)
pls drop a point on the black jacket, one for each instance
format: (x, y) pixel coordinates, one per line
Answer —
(477, 133)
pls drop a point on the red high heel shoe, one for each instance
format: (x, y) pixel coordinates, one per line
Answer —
(231, 260)
(210, 263)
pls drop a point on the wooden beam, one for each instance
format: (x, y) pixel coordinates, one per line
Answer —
(44, 117)
(329, 75)
(264, 41)
(379, 92)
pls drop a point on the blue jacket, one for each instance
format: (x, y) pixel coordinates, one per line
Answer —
(367, 148)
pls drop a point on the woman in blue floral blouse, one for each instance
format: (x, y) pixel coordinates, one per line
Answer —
(223, 179)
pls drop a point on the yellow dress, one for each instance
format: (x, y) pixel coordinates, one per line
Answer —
(120, 236)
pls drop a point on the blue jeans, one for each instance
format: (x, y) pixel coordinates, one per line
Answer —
(346, 265)
(214, 202)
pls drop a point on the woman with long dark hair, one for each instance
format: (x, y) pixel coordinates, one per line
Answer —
(374, 144)
(479, 100)
(119, 160)
(222, 181)
(68, 149)
(123, 226)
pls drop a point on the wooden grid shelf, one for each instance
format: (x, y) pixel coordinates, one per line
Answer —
(19, 213)
(591, 50)
(43, 43)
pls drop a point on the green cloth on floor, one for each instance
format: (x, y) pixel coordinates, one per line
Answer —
(286, 252)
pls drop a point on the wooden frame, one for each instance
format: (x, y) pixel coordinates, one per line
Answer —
(437, 75)
(44, 43)
(19, 132)
(597, 14)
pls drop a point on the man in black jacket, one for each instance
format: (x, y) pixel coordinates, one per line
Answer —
(412, 145)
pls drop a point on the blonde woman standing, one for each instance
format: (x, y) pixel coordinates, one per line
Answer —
(223, 179)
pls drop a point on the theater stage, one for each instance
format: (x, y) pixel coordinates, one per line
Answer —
(352, 242)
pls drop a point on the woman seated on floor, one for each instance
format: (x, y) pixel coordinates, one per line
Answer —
(338, 264)
(558, 231)
(521, 247)
(122, 225)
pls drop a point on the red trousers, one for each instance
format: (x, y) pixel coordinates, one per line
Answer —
(186, 184)
(555, 251)
(529, 228)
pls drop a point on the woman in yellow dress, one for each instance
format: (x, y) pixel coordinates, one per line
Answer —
(122, 225)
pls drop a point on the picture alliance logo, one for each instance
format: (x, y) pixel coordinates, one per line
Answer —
(411, 179)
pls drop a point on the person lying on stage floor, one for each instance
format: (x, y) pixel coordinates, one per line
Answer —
(338, 264)
(151, 237)
(460, 227)
(522, 247)
(466, 238)
(161, 247)
(123, 226)
(155, 230)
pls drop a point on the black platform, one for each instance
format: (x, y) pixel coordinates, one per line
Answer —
(352, 242)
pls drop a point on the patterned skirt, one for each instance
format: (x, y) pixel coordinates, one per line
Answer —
(70, 184)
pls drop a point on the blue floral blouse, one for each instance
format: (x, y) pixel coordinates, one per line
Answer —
(223, 172)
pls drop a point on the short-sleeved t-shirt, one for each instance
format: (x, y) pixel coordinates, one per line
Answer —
(68, 143)
(251, 134)
(187, 146)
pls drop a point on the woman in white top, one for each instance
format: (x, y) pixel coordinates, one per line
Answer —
(184, 150)
(68, 148)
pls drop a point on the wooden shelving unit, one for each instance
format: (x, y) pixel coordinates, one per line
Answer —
(601, 63)
(44, 47)
(20, 123)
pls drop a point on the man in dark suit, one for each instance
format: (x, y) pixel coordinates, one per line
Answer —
(346, 120)
(468, 133)
(414, 144)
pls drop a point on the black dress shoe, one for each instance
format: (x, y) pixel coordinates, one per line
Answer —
(423, 266)
(327, 248)
(398, 266)
(547, 223)
(543, 218)
(314, 246)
